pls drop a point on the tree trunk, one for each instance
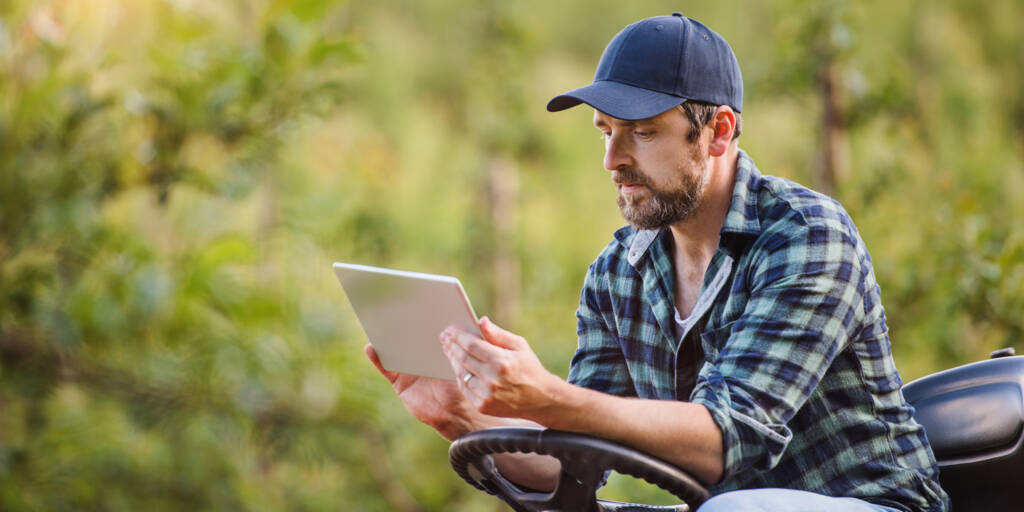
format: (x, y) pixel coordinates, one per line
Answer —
(1020, 108)
(833, 130)
(503, 187)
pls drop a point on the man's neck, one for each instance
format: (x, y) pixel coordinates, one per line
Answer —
(696, 238)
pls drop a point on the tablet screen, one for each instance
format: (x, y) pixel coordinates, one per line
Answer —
(403, 314)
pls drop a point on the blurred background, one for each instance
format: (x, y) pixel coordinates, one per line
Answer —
(177, 176)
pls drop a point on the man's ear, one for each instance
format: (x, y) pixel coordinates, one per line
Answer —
(723, 124)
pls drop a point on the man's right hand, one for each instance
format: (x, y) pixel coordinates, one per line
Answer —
(435, 402)
(440, 404)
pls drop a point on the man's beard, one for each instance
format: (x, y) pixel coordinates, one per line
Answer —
(661, 207)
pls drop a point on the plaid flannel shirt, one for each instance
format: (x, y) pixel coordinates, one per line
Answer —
(797, 371)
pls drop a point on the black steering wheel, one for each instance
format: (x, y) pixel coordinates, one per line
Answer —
(584, 460)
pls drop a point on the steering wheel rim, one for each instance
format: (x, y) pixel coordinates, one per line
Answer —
(584, 460)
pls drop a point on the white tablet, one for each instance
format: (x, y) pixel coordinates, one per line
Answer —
(403, 314)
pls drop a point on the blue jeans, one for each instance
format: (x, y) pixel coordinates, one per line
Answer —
(785, 500)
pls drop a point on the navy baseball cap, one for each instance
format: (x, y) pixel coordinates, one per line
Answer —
(658, 63)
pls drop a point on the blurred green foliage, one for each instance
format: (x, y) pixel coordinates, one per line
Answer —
(177, 176)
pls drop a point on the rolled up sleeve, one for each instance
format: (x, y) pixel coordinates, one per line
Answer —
(801, 311)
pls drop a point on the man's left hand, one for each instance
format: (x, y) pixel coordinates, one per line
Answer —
(507, 378)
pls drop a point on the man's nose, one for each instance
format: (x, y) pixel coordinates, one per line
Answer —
(616, 153)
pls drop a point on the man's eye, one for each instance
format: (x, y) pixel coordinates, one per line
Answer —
(642, 134)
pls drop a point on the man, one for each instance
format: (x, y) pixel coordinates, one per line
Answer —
(734, 328)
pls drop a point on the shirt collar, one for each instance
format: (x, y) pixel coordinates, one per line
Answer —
(741, 218)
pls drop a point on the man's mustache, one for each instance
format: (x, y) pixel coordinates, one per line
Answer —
(629, 175)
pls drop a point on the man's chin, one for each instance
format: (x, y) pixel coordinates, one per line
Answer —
(640, 221)
(632, 200)
(652, 219)
(645, 227)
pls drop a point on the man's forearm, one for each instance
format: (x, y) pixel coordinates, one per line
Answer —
(681, 433)
(507, 380)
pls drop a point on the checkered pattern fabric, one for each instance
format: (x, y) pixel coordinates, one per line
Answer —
(798, 370)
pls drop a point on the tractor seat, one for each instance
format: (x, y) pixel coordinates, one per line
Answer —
(974, 418)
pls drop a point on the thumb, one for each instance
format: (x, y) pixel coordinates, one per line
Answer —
(500, 337)
(375, 359)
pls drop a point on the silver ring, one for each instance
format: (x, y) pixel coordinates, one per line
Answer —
(466, 378)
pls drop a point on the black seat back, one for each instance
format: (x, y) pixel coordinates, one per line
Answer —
(974, 418)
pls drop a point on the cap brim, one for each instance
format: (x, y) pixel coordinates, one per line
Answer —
(618, 100)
